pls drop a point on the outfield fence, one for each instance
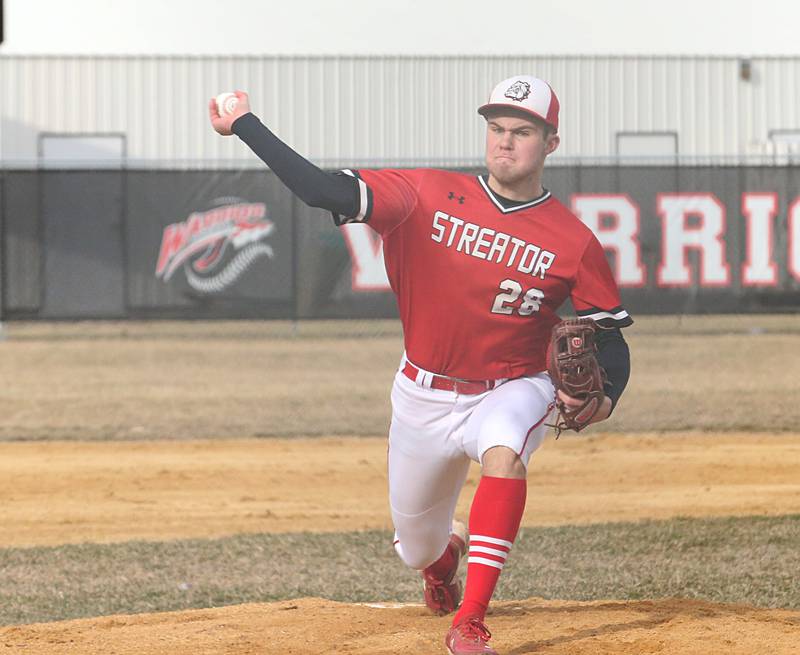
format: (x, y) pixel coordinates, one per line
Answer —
(108, 244)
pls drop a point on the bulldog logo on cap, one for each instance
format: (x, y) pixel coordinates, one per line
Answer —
(527, 95)
(518, 91)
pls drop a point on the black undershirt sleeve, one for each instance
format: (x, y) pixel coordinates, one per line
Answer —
(614, 356)
(335, 192)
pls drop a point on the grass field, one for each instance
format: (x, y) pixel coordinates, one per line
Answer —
(203, 384)
(740, 560)
(251, 379)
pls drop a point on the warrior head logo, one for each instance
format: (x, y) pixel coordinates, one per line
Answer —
(518, 91)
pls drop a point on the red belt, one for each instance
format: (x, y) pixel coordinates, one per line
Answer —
(442, 382)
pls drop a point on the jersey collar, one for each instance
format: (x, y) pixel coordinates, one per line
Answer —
(507, 210)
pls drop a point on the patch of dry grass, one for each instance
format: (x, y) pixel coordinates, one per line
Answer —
(712, 382)
(742, 560)
(169, 380)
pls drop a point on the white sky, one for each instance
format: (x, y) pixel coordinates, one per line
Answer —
(424, 27)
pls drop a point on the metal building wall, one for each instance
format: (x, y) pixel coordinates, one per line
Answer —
(399, 110)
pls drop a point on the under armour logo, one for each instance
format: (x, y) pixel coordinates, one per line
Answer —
(453, 196)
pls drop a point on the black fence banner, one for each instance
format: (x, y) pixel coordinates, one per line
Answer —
(236, 244)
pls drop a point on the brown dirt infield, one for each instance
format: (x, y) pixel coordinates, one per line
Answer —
(311, 626)
(68, 492)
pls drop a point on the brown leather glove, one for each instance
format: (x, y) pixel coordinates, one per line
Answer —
(573, 368)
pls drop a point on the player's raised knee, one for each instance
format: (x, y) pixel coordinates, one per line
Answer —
(502, 462)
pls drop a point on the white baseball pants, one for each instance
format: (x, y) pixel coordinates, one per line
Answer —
(432, 438)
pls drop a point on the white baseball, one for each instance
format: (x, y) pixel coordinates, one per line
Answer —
(226, 103)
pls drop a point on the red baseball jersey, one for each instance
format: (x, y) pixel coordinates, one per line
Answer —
(477, 284)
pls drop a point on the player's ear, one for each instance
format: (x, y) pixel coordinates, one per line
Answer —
(552, 143)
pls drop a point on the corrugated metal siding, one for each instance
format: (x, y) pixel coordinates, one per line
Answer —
(379, 110)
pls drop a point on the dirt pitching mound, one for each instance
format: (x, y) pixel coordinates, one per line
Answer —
(317, 626)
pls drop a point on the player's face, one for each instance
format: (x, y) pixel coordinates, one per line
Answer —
(516, 149)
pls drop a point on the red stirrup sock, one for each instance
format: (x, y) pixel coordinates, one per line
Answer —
(493, 524)
(442, 566)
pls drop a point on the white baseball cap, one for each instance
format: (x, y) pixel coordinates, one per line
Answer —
(527, 94)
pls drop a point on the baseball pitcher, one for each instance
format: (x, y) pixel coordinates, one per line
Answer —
(480, 266)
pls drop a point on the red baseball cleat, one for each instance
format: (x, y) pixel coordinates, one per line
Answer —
(469, 638)
(443, 592)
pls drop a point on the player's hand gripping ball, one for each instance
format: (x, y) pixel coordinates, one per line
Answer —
(574, 369)
(225, 109)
